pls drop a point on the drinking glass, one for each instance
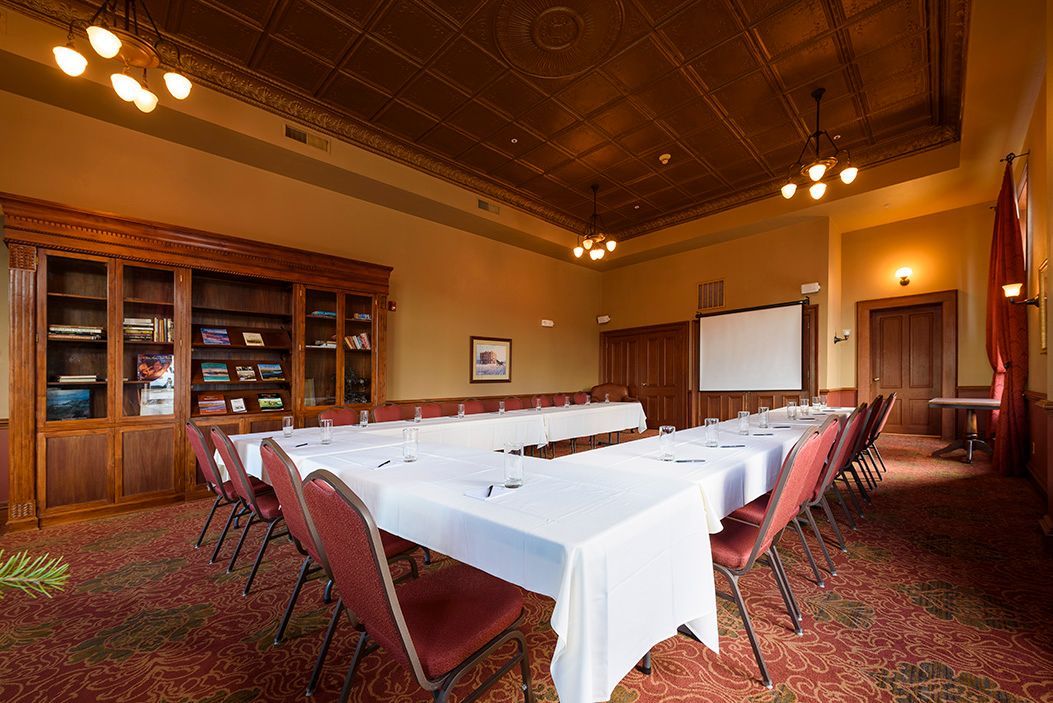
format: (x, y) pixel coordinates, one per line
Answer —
(409, 444)
(566, 401)
(287, 426)
(460, 411)
(791, 410)
(606, 397)
(363, 418)
(501, 407)
(762, 414)
(711, 432)
(804, 410)
(513, 466)
(744, 422)
(327, 431)
(417, 414)
(817, 405)
(588, 399)
(666, 436)
(537, 405)
(822, 403)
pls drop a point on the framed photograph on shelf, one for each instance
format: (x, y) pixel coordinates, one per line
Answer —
(491, 360)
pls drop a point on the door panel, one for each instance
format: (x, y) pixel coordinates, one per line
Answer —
(652, 362)
(907, 360)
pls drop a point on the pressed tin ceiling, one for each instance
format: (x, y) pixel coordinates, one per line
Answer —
(531, 101)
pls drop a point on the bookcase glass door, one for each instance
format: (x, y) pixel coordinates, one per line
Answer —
(147, 342)
(76, 342)
(320, 348)
(358, 349)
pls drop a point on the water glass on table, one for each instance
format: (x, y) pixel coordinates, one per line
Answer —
(566, 401)
(822, 403)
(537, 405)
(711, 432)
(417, 414)
(327, 431)
(287, 426)
(666, 436)
(501, 407)
(804, 410)
(409, 444)
(762, 417)
(817, 405)
(791, 410)
(513, 466)
(744, 421)
(363, 418)
(460, 411)
(606, 397)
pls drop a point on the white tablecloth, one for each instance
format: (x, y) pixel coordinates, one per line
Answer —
(486, 431)
(593, 419)
(625, 556)
(729, 477)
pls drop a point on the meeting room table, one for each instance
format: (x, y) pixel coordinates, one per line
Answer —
(624, 555)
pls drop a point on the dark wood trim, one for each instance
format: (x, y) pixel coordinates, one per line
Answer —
(689, 331)
(948, 300)
(22, 497)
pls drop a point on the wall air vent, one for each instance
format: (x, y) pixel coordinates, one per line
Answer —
(711, 295)
(489, 207)
(305, 137)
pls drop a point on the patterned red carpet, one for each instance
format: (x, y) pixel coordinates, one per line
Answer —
(943, 597)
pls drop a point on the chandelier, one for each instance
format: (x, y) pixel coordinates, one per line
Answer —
(592, 240)
(820, 165)
(113, 36)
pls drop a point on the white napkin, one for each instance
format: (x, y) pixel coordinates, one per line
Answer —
(480, 493)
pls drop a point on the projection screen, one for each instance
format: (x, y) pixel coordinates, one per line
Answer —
(751, 350)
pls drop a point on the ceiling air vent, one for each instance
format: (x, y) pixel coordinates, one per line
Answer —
(711, 295)
(489, 207)
(308, 138)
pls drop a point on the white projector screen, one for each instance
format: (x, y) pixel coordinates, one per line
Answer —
(751, 350)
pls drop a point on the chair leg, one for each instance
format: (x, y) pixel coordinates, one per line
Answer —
(880, 458)
(844, 505)
(808, 553)
(327, 594)
(861, 462)
(825, 504)
(259, 555)
(819, 538)
(873, 462)
(795, 618)
(427, 555)
(859, 485)
(733, 580)
(346, 691)
(223, 535)
(237, 550)
(524, 671)
(292, 601)
(208, 521)
(786, 582)
(320, 661)
(644, 667)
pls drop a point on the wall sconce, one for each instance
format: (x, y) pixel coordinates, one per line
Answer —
(1012, 291)
(903, 274)
(845, 334)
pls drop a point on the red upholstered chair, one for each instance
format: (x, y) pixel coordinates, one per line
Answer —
(340, 416)
(617, 392)
(491, 405)
(514, 403)
(840, 456)
(387, 413)
(581, 398)
(430, 410)
(262, 507)
(740, 545)
(871, 449)
(438, 626)
(288, 487)
(223, 490)
(449, 408)
(559, 399)
(474, 407)
(546, 401)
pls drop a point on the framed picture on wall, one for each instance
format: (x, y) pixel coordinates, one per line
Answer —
(491, 360)
(1043, 294)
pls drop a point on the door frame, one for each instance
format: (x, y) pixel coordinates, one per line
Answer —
(681, 328)
(948, 302)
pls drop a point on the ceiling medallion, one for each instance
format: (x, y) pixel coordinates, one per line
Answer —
(557, 38)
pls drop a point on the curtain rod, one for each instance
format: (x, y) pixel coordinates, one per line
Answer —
(1010, 157)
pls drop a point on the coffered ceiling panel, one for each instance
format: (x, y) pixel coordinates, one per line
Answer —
(531, 101)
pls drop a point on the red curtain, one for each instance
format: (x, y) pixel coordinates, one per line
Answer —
(1007, 334)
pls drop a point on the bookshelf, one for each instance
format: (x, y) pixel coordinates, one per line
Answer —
(129, 329)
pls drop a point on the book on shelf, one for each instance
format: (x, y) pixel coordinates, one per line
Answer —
(74, 332)
(245, 373)
(211, 404)
(237, 405)
(148, 329)
(214, 372)
(253, 339)
(215, 335)
(157, 401)
(156, 369)
(271, 372)
(68, 403)
(77, 378)
(323, 313)
(358, 341)
(361, 316)
(270, 402)
(322, 344)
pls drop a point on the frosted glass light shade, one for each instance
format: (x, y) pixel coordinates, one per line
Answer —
(145, 100)
(105, 42)
(599, 253)
(789, 189)
(817, 190)
(1012, 290)
(848, 174)
(178, 85)
(71, 61)
(611, 244)
(126, 87)
(587, 244)
(578, 251)
(816, 171)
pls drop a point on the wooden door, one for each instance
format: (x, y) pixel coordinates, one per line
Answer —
(907, 358)
(653, 363)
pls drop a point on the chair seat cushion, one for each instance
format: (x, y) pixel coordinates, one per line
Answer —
(452, 612)
(395, 545)
(258, 487)
(753, 512)
(731, 546)
(268, 506)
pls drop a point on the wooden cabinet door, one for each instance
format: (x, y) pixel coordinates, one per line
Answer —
(146, 461)
(77, 470)
(906, 358)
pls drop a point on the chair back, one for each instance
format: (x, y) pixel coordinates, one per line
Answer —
(449, 408)
(873, 413)
(616, 391)
(474, 407)
(239, 478)
(829, 432)
(546, 401)
(581, 398)
(841, 452)
(285, 479)
(559, 399)
(387, 413)
(206, 462)
(340, 416)
(351, 542)
(490, 405)
(513, 403)
(879, 426)
(430, 410)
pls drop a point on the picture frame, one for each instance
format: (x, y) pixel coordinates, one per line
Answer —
(489, 360)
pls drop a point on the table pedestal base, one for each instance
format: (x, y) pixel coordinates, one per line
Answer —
(971, 442)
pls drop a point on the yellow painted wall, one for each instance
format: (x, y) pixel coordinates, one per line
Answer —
(1038, 185)
(948, 250)
(448, 284)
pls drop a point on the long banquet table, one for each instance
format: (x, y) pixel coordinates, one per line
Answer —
(625, 556)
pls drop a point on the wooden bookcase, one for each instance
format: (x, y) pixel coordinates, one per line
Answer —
(122, 330)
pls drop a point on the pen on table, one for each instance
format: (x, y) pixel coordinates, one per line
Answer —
(490, 490)
(731, 446)
(300, 445)
(383, 463)
(781, 427)
(688, 461)
(762, 434)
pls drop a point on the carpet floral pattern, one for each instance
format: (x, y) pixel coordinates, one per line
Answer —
(944, 597)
